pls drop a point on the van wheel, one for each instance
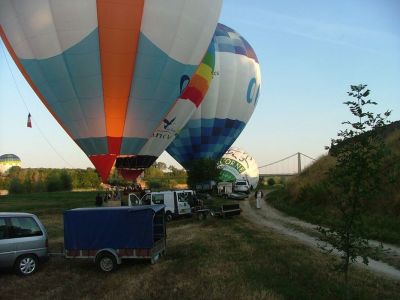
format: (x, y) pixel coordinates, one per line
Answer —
(200, 216)
(26, 265)
(106, 262)
(168, 216)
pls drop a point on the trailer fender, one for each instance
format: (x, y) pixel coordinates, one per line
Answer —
(108, 250)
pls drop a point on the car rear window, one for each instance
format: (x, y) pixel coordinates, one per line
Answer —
(241, 183)
(24, 227)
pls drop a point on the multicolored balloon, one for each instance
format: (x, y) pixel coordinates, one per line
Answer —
(193, 91)
(109, 70)
(228, 105)
(237, 164)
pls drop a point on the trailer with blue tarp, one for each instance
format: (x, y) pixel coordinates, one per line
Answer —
(110, 234)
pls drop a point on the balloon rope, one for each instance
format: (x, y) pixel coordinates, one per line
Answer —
(27, 108)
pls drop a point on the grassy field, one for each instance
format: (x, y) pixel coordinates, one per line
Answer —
(211, 259)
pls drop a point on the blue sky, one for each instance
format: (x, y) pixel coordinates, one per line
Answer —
(309, 52)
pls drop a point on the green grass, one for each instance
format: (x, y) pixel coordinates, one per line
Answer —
(49, 208)
(385, 228)
(211, 259)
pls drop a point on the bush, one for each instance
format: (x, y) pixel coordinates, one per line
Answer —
(66, 181)
(271, 181)
(16, 187)
(154, 184)
(53, 183)
(28, 184)
(314, 193)
(39, 186)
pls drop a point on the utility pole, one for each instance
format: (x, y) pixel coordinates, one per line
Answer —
(298, 162)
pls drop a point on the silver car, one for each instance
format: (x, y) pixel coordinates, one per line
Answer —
(23, 242)
(241, 186)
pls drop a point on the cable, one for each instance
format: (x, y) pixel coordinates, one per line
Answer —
(308, 156)
(26, 106)
(277, 161)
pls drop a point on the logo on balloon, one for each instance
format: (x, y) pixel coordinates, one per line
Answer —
(185, 79)
(252, 91)
(168, 123)
(166, 130)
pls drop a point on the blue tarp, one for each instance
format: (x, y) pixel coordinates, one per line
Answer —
(109, 227)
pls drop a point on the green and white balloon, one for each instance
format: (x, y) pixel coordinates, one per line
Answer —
(237, 164)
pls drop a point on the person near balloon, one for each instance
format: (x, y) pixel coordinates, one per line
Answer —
(259, 195)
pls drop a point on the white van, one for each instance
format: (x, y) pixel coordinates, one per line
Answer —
(177, 203)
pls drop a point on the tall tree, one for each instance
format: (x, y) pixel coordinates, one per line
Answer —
(202, 170)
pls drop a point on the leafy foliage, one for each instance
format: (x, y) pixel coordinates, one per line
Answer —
(271, 181)
(161, 176)
(18, 180)
(355, 179)
(16, 187)
(202, 170)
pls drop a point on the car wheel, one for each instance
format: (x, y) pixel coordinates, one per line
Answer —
(106, 262)
(26, 265)
(168, 216)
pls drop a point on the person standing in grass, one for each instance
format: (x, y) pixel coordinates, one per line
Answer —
(259, 195)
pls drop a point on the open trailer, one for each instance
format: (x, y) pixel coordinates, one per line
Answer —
(110, 234)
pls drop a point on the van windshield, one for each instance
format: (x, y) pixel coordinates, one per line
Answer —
(241, 183)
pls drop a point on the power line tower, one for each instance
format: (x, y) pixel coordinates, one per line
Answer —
(298, 162)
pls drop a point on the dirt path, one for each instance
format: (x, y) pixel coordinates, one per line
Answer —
(306, 233)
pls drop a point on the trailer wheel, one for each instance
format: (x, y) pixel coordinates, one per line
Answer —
(106, 262)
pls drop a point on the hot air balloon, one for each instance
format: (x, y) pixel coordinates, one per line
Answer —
(193, 91)
(228, 104)
(237, 164)
(109, 71)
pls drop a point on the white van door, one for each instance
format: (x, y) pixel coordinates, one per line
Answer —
(165, 198)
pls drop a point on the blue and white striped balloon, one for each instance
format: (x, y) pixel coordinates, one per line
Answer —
(229, 102)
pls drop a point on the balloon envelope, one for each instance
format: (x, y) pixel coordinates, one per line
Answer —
(108, 71)
(237, 164)
(193, 92)
(228, 104)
